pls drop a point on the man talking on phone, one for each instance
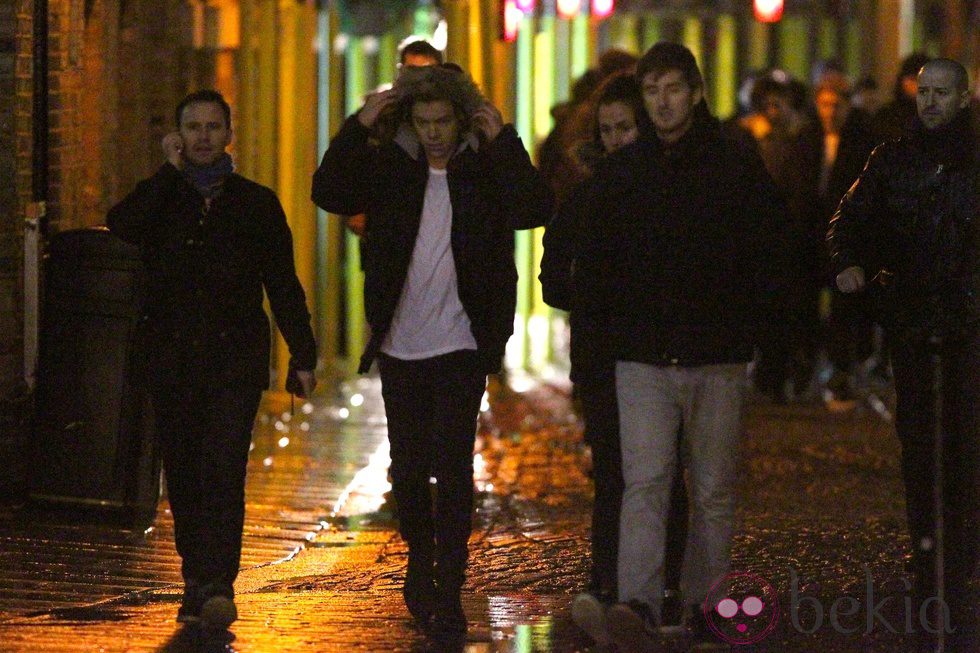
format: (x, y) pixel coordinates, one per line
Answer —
(211, 241)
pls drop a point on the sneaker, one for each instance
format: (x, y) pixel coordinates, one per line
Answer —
(189, 611)
(702, 637)
(632, 627)
(672, 614)
(589, 614)
(218, 612)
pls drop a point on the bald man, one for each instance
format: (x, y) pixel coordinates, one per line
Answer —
(906, 236)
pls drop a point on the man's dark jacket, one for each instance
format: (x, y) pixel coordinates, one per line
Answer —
(910, 222)
(493, 189)
(204, 322)
(686, 258)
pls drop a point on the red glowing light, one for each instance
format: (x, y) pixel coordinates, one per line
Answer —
(768, 11)
(526, 6)
(510, 20)
(603, 8)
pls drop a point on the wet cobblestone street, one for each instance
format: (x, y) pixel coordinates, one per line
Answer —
(820, 517)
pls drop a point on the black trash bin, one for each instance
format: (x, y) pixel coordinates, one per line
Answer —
(93, 439)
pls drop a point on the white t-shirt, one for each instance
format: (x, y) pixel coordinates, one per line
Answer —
(430, 320)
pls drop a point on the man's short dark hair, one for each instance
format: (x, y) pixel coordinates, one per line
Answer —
(960, 77)
(768, 86)
(420, 48)
(666, 56)
(204, 95)
(912, 64)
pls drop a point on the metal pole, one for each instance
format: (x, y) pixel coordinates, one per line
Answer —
(35, 223)
(935, 358)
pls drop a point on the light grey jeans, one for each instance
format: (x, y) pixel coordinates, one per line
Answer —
(654, 402)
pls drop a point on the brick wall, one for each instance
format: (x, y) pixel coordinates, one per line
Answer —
(113, 81)
(82, 99)
(156, 42)
(15, 192)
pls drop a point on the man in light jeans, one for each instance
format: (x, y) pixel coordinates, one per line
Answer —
(689, 248)
(654, 402)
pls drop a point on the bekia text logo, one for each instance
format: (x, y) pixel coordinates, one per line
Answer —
(742, 608)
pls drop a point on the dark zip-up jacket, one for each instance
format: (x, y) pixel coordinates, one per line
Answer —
(204, 318)
(687, 255)
(910, 221)
(493, 188)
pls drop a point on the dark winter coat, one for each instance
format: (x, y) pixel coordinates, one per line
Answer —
(684, 252)
(204, 321)
(493, 189)
(910, 222)
(569, 282)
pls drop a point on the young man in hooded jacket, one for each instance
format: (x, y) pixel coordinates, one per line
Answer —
(444, 186)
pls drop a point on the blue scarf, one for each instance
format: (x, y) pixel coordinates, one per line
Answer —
(208, 179)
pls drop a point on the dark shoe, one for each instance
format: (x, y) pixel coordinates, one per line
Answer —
(702, 637)
(632, 627)
(189, 611)
(449, 619)
(419, 592)
(839, 395)
(218, 610)
(672, 614)
(589, 614)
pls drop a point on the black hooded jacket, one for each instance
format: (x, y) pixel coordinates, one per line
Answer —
(910, 222)
(686, 253)
(493, 188)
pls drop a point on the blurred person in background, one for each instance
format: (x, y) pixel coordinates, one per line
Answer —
(897, 116)
(847, 139)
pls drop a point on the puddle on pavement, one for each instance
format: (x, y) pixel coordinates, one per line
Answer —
(518, 625)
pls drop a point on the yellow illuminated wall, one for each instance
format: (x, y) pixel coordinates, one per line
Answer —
(283, 91)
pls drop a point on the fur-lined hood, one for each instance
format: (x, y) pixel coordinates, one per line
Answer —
(431, 83)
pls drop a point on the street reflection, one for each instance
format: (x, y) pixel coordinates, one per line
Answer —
(519, 624)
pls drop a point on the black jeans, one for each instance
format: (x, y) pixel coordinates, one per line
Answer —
(204, 435)
(915, 420)
(597, 393)
(432, 406)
